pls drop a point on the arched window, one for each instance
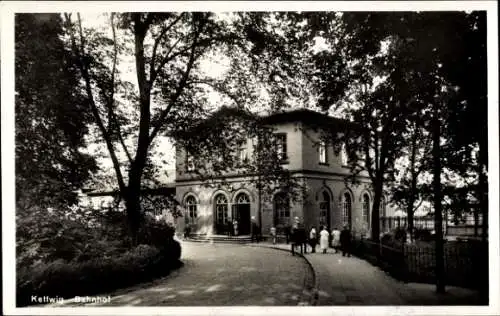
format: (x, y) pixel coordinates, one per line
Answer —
(241, 212)
(346, 209)
(382, 207)
(191, 209)
(221, 209)
(324, 209)
(281, 209)
(242, 198)
(366, 209)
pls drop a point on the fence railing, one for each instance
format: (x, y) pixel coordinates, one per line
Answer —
(466, 263)
(469, 226)
(391, 222)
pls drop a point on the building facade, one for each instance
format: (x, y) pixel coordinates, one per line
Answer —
(328, 200)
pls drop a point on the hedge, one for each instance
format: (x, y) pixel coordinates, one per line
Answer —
(99, 275)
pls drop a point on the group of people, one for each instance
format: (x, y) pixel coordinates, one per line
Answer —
(339, 240)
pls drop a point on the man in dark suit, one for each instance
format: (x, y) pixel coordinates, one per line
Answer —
(345, 241)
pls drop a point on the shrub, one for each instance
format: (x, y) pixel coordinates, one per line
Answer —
(59, 255)
(400, 234)
(156, 233)
(386, 238)
(67, 279)
(68, 234)
(422, 234)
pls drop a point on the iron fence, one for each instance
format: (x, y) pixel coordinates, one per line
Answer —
(466, 263)
(467, 226)
(389, 223)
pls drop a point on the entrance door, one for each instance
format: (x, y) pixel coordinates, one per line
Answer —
(242, 213)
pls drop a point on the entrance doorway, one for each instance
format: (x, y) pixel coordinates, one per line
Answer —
(241, 212)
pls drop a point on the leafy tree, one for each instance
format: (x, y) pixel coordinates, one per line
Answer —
(408, 191)
(171, 95)
(427, 60)
(466, 149)
(50, 124)
(354, 59)
(51, 116)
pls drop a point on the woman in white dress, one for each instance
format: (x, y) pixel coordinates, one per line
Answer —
(323, 240)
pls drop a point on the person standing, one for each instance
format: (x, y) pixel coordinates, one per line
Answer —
(324, 240)
(255, 230)
(336, 239)
(345, 241)
(294, 236)
(273, 234)
(235, 226)
(313, 239)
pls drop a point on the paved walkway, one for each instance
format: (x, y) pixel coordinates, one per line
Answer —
(353, 281)
(222, 275)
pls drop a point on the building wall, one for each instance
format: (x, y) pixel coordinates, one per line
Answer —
(205, 197)
(294, 152)
(310, 155)
(303, 159)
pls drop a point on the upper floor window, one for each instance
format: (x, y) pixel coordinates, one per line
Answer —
(189, 162)
(242, 153)
(343, 155)
(281, 147)
(323, 155)
(363, 159)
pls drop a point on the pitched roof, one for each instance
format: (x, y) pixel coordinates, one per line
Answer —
(308, 117)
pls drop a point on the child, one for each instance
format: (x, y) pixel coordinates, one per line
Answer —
(273, 234)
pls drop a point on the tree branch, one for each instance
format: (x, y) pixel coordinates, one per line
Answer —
(112, 98)
(88, 87)
(419, 204)
(179, 90)
(157, 42)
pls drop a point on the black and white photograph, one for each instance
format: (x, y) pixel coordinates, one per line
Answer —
(249, 158)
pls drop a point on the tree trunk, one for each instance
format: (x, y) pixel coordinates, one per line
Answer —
(133, 195)
(132, 204)
(483, 188)
(438, 216)
(375, 212)
(476, 221)
(483, 205)
(259, 209)
(413, 189)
